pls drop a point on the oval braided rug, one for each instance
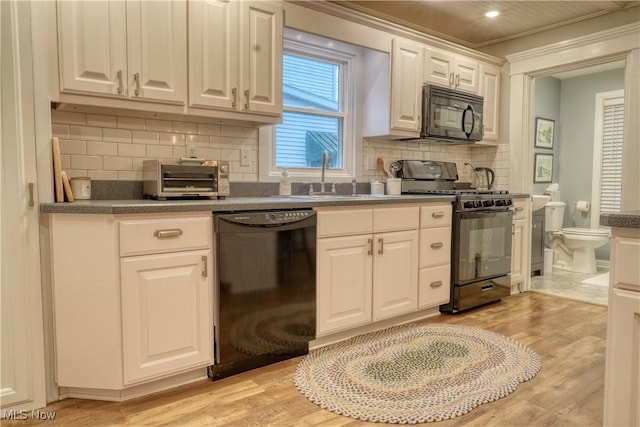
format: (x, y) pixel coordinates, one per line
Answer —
(415, 373)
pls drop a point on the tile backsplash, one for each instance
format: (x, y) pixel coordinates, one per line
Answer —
(112, 147)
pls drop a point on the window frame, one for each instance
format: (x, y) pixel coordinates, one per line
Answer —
(322, 49)
(598, 142)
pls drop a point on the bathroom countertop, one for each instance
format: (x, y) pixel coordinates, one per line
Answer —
(629, 219)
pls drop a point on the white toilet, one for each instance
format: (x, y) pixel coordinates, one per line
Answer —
(573, 248)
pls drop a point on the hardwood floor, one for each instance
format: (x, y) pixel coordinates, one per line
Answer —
(568, 391)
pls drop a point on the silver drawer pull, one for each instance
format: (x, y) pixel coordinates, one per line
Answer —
(168, 234)
(436, 284)
(437, 245)
(437, 214)
(370, 244)
(381, 250)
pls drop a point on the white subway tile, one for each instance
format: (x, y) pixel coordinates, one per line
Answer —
(209, 153)
(159, 151)
(208, 129)
(97, 148)
(86, 162)
(199, 140)
(221, 141)
(116, 135)
(172, 139)
(104, 175)
(144, 137)
(130, 175)
(250, 177)
(131, 123)
(117, 163)
(179, 152)
(230, 155)
(68, 146)
(185, 127)
(72, 173)
(232, 131)
(61, 131)
(251, 133)
(160, 125)
(65, 161)
(86, 133)
(101, 121)
(132, 150)
(236, 177)
(67, 117)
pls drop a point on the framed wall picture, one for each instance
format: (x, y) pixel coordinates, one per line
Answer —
(544, 132)
(543, 168)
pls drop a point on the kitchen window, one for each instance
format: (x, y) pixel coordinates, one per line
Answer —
(318, 113)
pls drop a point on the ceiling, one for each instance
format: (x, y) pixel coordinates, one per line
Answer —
(463, 22)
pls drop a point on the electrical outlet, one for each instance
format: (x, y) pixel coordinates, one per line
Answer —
(245, 157)
(191, 151)
(370, 163)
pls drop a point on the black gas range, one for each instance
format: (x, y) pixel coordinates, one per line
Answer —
(481, 233)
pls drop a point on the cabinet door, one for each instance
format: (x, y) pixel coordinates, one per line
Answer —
(517, 252)
(92, 43)
(438, 67)
(261, 50)
(406, 85)
(213, 54)
(166, 305)
(490, 90)
(466, 74)
(343, 282)
(395, 274)
(622, 373)
(157, 50)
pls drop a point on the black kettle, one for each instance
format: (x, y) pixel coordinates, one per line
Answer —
(485, 178)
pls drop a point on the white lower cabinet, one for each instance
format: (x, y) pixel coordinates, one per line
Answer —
(133, 302)
(368, 271)
(165, 313)
(434, 282)
(519, 252)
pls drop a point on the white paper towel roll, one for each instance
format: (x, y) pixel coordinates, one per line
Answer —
(582, 206)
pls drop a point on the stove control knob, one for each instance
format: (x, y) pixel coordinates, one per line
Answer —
(478, 204)
(469, 205)
(487, 203)
(508, 202)
(500, 202)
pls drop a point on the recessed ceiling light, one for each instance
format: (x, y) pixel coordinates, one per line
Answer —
(492, 14)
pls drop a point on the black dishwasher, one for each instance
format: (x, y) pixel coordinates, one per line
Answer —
(265, 293)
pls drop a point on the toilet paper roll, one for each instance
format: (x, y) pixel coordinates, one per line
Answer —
(582, 206)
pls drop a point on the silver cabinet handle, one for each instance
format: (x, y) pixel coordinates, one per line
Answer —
(31, 201)
(168, 234)
(205, 272)
(437, 214)
(381, 250)
(457, 80)
(436, 284)
(136, 79)
(437, 245)
(513, 229)
(246, 98)
(370, 243)
(119, 77)
(234, 96)
(451, 79)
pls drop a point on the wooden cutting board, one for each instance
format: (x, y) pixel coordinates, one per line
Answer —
(67, 187)
(57, 171)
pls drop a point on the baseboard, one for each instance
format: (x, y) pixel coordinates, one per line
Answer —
(603, 263)
(135, 391)
(372, 327)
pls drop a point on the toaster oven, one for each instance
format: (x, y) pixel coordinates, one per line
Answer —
(185, 178)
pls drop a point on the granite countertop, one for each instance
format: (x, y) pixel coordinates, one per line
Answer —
(629, 219)
(230, 204)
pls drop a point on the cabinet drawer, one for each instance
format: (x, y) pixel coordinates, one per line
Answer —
(519, 209)
(434, 286)
(164, 235)
(344, 222)
(435, 246)
(435, 216)
(625, 264)
(395, 219)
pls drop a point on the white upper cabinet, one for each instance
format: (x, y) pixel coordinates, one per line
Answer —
(406, 85)
(450, 70)
(490, 90)
(134, 50)
(235, 55)
(92, 47)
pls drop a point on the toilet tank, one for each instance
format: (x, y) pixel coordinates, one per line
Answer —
(553, 215)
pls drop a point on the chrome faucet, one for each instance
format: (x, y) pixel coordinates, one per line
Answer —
(325, 163)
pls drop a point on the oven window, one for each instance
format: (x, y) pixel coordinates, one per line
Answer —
(482, 247)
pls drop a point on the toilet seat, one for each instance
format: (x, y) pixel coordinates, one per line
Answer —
(595, 232)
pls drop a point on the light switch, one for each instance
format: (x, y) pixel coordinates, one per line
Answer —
(245, 157)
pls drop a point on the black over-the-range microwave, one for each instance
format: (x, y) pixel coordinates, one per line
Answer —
(450, 115)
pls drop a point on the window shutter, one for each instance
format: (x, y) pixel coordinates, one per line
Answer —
(611, 173)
